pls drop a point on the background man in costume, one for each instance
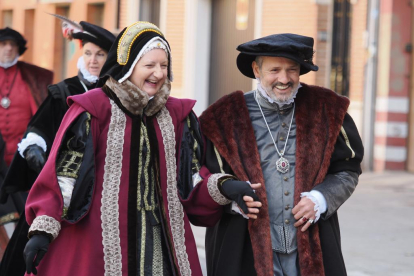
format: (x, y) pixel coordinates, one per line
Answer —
(23, 87)
(34, 149)
(123, 180)
(300, 142)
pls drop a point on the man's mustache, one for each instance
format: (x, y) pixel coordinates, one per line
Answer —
(279, 83)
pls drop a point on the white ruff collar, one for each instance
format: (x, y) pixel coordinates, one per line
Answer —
(85, 73)
(271, 100)
(9, 64)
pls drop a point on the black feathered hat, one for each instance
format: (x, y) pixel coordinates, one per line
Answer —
(10, 34)
(126, 51)
(292, 46)
(95, 34)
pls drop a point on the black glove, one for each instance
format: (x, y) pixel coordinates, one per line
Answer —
(235, 190)
(34, 251)
(35, 157)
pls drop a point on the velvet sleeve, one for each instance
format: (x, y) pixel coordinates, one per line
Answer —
(204, 202)
(44, 206)
(345, 168)
(349, 151)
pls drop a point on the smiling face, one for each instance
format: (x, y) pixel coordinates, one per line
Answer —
(8, 51)
(151, 71)
(94, 57)
(279, 76)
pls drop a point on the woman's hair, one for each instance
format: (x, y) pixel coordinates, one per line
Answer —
(84, 41)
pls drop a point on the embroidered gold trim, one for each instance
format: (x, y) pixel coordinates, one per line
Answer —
(110, 193)
(347, 141)
(213, 188)
(45, 224)
(175, 208)
(143, 235)
(9, 218)
(126, 41)
(157, 265)
(219, 159)
(139, 198)
(69, 164)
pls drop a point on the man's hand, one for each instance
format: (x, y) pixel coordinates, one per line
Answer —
(304, 213)
(35, 157)
(34, 251)
(253, 206)
(243, 194)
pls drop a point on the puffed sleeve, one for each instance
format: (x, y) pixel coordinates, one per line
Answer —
(349, 151)
(71, 150)
(344, 170)
(199, 175)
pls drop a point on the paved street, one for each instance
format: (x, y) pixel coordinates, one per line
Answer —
(377, 226)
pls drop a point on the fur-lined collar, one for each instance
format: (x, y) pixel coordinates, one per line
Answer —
(137, 101)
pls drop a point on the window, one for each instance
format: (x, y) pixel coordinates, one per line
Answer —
(149, 10)
(7, 19)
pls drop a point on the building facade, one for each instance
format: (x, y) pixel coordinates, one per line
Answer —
(363, 50)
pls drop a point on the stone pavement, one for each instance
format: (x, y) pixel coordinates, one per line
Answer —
(377, 226)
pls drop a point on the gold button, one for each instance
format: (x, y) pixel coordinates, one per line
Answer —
(283, 124)
(282, 112)
(287, 207)
(287, 221)
(281, 138)
(287, 193)
(285, 178)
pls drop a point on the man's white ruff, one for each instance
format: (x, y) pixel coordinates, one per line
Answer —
(6, 65)
(110, 193)
(175, 208)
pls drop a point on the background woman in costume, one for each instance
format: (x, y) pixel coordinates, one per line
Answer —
(124, 174)
(34, 149)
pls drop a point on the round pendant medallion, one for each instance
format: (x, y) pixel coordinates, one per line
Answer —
(282, 165)
(5, 102)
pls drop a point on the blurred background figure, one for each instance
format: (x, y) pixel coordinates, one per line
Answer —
(3, 169)
(34, 149)
(22, 90)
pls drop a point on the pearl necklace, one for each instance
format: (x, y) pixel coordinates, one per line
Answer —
(282, 164)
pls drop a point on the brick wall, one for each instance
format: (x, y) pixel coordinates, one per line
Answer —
(299, 16)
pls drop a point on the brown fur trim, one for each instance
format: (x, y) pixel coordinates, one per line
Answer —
(319, 116)
(224, 123)
(37, 79)
(135, 100)
(315, 140)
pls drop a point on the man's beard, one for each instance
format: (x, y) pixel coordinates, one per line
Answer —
(281, 98)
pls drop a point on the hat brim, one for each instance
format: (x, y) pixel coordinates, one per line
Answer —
(98, 42)
(244, 62)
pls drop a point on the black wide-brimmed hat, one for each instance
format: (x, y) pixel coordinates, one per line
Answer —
(95, 34)
(123, 56)
(10, 34)
(292, 46)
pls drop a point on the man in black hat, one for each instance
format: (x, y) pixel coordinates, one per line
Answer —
(299, 142)
(23, 87)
